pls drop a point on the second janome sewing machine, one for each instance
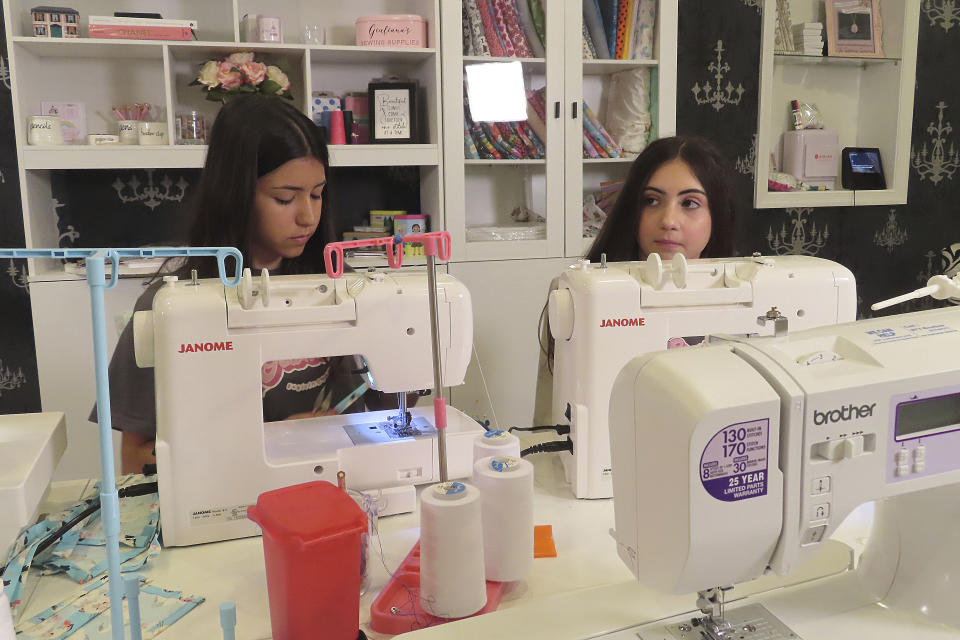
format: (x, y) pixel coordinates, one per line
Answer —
(602, 316)
(207, 343)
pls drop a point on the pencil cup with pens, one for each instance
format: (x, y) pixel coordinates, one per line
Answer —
(138, 124)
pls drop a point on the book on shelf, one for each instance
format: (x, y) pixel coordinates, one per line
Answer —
(139, 22)
(141, 28)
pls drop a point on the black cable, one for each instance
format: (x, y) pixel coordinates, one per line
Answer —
(560, 429)
(93, 505)
(549, 447)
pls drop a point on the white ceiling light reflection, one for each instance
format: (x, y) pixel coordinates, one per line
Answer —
(495, 92)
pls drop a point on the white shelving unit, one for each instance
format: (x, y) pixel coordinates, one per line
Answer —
(481, 193)
(103, 72)
(868, 101)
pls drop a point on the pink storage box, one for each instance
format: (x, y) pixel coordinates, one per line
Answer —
(398, 30)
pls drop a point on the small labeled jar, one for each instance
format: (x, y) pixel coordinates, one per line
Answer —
(191, 128)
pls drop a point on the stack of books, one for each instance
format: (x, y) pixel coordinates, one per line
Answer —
(141, 28)
(808, 38)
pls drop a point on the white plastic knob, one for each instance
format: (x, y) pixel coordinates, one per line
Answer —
(265, 287)
(245, 289)
(679, 272)
(652, 272)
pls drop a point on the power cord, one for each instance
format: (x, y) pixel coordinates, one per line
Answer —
(549, 447)
(561, 429)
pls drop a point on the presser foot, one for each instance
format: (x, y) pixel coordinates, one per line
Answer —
(750, 622)
(388, 430)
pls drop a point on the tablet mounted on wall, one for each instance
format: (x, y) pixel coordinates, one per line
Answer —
(861, 168)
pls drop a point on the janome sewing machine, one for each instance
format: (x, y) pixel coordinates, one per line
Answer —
(207, 343)
(604, 315)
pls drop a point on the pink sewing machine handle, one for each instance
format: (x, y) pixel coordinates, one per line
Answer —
(435, 243)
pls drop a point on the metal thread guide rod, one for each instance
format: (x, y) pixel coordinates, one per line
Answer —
(97, 281)
(436, 244)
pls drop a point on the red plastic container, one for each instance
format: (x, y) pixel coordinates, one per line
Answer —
(311, 548)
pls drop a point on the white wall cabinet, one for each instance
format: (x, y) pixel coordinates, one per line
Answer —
(867, 101)
(509, 279)
(481, 194)
(105, 72)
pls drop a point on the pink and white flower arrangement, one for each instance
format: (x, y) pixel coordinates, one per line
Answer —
(238, 74)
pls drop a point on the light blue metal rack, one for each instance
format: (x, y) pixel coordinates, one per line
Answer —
(96, 260)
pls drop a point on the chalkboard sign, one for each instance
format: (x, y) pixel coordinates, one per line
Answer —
(393, 112)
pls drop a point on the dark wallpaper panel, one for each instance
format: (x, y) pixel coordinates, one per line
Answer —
(890, 249)
(19, 390)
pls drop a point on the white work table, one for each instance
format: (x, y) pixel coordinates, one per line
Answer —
(586, 564)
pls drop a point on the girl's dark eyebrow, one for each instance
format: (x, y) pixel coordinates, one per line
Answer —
(293, 188)
(684, 192)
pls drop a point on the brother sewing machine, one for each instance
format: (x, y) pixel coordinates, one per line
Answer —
(741, 458)
(604, 315)
(207, 343)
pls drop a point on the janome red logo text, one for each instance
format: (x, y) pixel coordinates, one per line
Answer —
(621, 322)
(198, 347)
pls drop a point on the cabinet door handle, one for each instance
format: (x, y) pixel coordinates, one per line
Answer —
(573, 110)
(556, 110)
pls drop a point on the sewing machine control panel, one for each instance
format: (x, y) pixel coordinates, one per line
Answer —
(924, 434)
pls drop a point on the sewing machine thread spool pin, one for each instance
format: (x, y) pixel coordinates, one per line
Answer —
(342, 480)
(193, 277)
(603, 260)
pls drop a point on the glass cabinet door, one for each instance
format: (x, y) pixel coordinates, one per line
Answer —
(502, 89)
(620, 95)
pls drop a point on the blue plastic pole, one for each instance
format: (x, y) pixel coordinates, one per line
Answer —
(131, 586)
(228, 620)
(109, 502)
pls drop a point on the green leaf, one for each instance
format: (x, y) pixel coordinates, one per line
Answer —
(269, 87)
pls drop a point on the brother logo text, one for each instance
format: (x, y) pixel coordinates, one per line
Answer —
(849, 412)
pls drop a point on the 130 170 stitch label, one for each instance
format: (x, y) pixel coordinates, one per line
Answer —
(733, 465)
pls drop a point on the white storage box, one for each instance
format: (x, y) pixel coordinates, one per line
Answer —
(813, 156)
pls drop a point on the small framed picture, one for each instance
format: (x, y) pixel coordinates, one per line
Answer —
(393, 112)
(854, 28)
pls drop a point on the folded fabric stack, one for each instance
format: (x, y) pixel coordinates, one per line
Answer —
(808, 38)
(597, 143)
(619, 29)
(507, 140)
(598, 205)
(504, 28)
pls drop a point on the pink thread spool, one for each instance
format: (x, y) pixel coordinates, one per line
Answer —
(337, 134)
